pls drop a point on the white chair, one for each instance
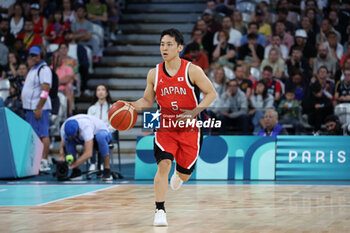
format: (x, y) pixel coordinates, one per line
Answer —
(4, 89)
(343, 112)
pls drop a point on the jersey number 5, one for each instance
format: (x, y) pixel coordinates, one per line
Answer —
(174, 106)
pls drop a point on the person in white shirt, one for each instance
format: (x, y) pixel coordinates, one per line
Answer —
(83, 129)
(276, 43)
(235, 35)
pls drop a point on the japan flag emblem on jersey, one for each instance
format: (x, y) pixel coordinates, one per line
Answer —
(180, 79)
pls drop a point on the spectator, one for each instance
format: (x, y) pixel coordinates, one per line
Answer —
(82, 30)
(237, 22)
(333, 126)
(271, 126)
(113, 17)
(346, 54)
(77, 51)
(306, 25)
(224, 52)
(324, 59)
(83, 130)
(211, 5)
(274, 87)
(13, 101)
(326, 27)
(313, 16)
(260, 101)
(18, 47)
(276, 43)
(213, 26)
(97, 12)
(264, 28)
(63, 49)
(39, 22)
(282, 14)
(54, 31)
(333, 17)
(251, 53)
(334, 47)
(101, 104)
(298, 62)
(286, 38)
(6, 36)
(234, 108)
(68, 12)
(317, 106)
(206, 39)
(196, 57)
(342, 88)
(308, 50)
(289, 110)
(37, 102)
(235, 36)
(17, 20)
(29, 37)
(326, 83)
(253, 28)
(297, 82)
(13, 62)
(245, 84)
(276, 62)
(219, 83)
(66, 77)
(4, 52)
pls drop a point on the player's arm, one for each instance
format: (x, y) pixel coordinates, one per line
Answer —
(149, 95)
(199, 79)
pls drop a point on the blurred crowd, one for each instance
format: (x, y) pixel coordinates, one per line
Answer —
(290, 57)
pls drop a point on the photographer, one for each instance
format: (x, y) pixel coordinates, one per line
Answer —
(83, 129)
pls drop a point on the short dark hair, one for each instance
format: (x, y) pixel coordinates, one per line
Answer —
(322, 67)
(315, 87)
(268, 68)
(331, 118)
(237, 66)
(172, 32)
(290, 90)
(252, 36)
(194, 46)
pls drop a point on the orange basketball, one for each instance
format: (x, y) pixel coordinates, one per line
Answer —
(122, 116)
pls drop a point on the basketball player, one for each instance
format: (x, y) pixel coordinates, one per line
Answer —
(175, 83)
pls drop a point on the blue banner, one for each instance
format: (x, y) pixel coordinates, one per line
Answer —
(313, 158)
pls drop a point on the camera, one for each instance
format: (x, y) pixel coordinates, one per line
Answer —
(17, 83)
(61, 171)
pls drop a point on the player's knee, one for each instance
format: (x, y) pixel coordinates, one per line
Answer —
(164, 165)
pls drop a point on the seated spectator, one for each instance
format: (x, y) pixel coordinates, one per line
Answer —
(77, 51)
(66, 59)
(253, 28)
(324, 59)
(282, 14)
(66, 77)
(113, 17)
(264, 28)
(273, 86)
(334, 47)
(276, 43)
(342, 88)
(12, 66)
(235, 36)
(17, 20)
(333, 125)
(238, 23)
(97, 12)
(39, 22)
(233, 108)
(54, 31)
(213, 26)
(245, 84)
(326, 27)
(196, 57)
(308, 50)
(276, 62)
(259, 102)
(317, 106)
(339, 74)
(251, 53)
(306, 25)
(6, 36)
(101, 104)
(298, 83)
(286, 38)
(298, 62)
(228, 71)
(83, 129)
(82, 30)
(327, 84)
(271, 126)
(219, 83)
(68, 12)
(224, 53)
(288, 111)
(13, 101)
(19, 49)
(29, 37)
(4, 52)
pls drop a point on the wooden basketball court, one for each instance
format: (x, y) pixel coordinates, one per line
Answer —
(210, 207)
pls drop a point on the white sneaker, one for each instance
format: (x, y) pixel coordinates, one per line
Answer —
(175, 181)
(92, 167)
(44, 165)
(160, 218)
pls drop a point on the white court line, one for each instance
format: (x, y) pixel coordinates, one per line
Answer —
(87, 193)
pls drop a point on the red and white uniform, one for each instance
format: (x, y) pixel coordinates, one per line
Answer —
(172, 94)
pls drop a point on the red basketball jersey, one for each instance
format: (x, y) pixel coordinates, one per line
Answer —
(176, 92)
